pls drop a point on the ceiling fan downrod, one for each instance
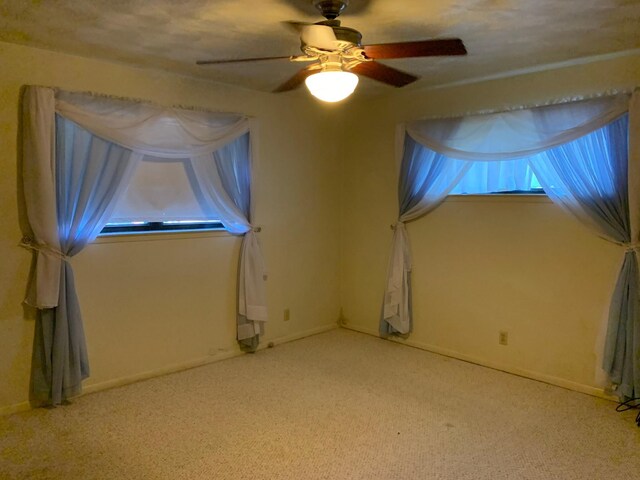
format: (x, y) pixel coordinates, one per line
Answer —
(330, 9)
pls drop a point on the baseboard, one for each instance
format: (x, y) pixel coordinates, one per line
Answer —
(298, 336)
(199, 362)
(540, 377)
(138, 377)
(18, 407)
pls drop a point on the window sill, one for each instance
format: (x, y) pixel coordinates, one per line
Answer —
(499, 198)
(159, 236)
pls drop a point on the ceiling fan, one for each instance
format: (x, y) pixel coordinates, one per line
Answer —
(337, 55)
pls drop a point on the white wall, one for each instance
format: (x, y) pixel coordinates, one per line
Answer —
(325, 192)
(154, 303)
(482, 265)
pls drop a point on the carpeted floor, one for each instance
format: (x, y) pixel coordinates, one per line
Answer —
(339, 405)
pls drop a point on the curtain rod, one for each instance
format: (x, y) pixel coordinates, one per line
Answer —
(141, 100)
(526, 106)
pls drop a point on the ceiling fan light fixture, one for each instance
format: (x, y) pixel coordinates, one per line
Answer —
(332, 85)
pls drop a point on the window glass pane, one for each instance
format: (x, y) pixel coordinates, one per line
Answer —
(152, 227)
(499, 176)
(160, 191)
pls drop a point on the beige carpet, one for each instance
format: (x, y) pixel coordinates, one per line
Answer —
(340, 405)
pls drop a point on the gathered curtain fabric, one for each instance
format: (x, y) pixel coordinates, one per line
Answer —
(426, 177)
(589, 178)
(224, 178)
(585, 155)
(149, 129)
(517, 133)
(81, 176)
(79, 154)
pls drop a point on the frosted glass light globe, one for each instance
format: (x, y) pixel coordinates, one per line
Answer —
(332, 86)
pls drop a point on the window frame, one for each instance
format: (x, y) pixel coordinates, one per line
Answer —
(535, 191)
(159, 227)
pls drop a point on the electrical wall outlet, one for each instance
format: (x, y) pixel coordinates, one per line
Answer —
(287, 315)
(503, 337)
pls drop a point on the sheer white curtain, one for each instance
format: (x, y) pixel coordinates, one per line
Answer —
(149, 129)
(426, 177)
(74, 170)
(38, 177)
(589, 177)
(224, 178)
(517, 133)
(72, 180)
(579, 152)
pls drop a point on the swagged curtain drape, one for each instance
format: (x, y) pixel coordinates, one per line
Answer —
(585, 155)
(79, 153)
(70, 181)
(225, 182)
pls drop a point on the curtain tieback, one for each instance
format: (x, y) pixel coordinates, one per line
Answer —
(30, 244)
(628, 247)
(631, 247)
(394, 226)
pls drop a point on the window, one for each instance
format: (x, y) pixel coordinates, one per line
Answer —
(517, 176)
(162, 196)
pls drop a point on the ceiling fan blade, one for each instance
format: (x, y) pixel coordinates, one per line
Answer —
(297, 80)
(382, 73)
(239, 60)
(426, 48)
(319, 36)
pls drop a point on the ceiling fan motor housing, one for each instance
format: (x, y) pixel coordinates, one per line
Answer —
(330, 9)
(347, 34)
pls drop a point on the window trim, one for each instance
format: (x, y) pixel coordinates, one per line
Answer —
(534, 191)
(499, 198)
(159, 227)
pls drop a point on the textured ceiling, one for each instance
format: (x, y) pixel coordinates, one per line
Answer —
(500, 35)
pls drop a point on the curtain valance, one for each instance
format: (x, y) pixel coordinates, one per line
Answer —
(518, 133)
(151, 129)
